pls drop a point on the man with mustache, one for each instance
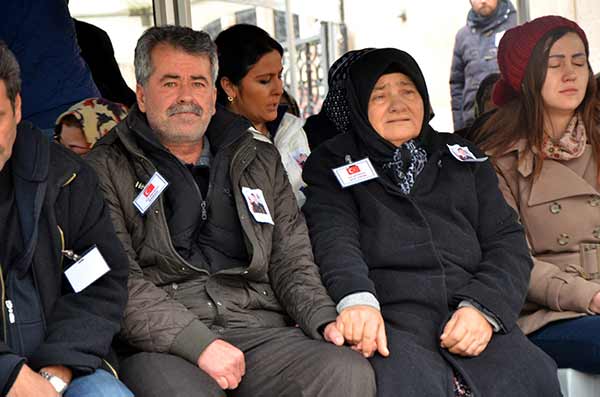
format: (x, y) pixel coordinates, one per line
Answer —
(214, 289)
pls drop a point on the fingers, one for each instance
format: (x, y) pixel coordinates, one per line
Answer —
(333, 335)
(382, 341)
(369, 338)
(455, 336)
(222, 382)
(448, 328)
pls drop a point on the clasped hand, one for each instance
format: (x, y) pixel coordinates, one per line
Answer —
(362, 327)
(467, 333)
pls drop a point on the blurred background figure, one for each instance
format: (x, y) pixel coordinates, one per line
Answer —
(483, 106)
(475, 49)
(98, 53)
(42, 36)
(249, 84)
(84, 123)
(292, 105)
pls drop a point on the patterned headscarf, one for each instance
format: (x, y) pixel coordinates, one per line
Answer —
(96, 115)
(335, 106)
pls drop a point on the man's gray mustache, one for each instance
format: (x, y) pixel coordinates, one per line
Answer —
(185, 108)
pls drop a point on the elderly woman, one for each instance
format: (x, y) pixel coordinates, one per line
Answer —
(249, 84)
(427, 263)
(545, 144)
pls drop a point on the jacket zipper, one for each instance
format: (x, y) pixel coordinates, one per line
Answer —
(164, 222)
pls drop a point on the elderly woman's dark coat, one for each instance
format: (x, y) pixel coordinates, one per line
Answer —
(452, 238)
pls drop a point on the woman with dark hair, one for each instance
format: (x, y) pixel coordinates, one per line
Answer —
(249, 84)
(545, 144)
(426, 262)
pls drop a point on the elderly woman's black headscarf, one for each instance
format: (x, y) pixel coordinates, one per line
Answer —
(403, 164)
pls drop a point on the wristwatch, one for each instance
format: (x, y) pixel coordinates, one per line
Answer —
(57, 383)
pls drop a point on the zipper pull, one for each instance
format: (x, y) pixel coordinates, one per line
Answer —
(11, 311)
(203, 207)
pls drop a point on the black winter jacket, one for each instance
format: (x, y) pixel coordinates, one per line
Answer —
(452, 238)
(60, 207)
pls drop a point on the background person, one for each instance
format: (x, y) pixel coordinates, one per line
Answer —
(84, 123)
(545, 143)
(249, 84)
(427, 263)
(42, 36)
(474, 57)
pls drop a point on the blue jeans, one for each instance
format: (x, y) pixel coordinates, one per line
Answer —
(572, 343)
(97, 384)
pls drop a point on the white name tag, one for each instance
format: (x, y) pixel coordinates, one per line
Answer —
(150, 193)
(257, 205)
(355, 173)
(86, 270)
(462, 153)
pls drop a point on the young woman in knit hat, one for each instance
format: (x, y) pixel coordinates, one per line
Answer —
(545, 144)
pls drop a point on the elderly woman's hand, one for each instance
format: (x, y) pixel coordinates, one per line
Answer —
(364, 329)
(467, 333)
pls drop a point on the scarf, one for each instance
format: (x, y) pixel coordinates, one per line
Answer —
(570, 145)
(97, 116)
(406, 164)
(335, 105)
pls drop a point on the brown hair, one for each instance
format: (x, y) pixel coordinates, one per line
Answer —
(523, 117)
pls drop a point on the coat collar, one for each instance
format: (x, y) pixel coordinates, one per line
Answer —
(556, 180)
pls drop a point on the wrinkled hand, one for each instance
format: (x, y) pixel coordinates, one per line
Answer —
(595, 303)
(224, 363)
(363, 327)
(30, 383)
(467, 333)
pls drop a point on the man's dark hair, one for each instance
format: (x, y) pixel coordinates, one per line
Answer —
(180, 37)
(10, 73)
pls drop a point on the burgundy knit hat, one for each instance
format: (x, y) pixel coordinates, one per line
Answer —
(515, 50)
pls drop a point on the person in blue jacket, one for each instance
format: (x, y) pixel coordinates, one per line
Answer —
(475, 50)
(42, 36)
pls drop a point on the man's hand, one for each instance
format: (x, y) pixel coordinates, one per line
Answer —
(467, 333)
(224, 363)
(595, 303)
(362, 326)
(30, 383)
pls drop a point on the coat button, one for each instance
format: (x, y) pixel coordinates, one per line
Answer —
(594, 201)
(555, 208)
(563, 239)
(596, 232)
